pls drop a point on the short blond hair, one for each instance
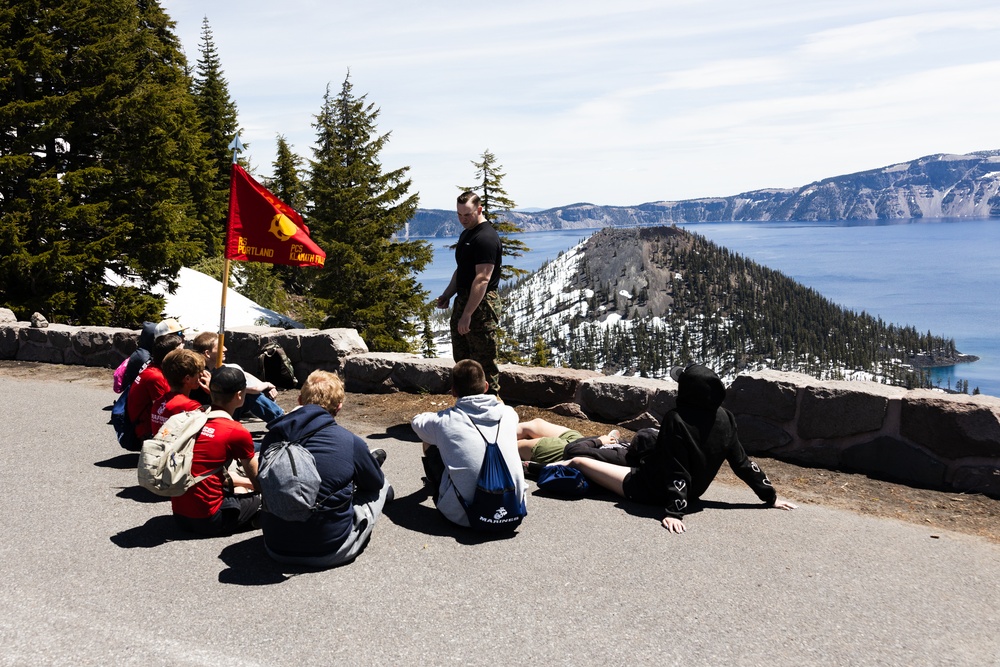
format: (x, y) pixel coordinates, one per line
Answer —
(324, 389)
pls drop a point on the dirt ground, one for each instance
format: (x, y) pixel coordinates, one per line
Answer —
(973, 514)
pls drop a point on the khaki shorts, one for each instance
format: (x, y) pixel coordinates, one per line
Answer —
(549, 450)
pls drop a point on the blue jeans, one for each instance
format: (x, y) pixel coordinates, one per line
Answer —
(261, 406)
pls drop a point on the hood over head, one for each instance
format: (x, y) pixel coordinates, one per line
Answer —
(698, 387)
(147, 336)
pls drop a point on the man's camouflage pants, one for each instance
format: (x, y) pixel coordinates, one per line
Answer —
(480, 343)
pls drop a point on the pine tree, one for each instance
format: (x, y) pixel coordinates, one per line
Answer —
(496, 203)
(101, 164)
(369, 281)
(427, 337)
(218, 116)
(288, 186)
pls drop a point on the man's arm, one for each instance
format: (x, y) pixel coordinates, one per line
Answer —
(250, 468)
(479, 284)
(445, 298)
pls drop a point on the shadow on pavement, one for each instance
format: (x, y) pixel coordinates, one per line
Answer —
(247, 564)
(121, 462)
(409, 512)
(398, 432)
(140, 495)
(157, 531)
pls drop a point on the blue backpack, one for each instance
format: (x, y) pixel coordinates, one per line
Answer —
(124, 429)
(495, 505)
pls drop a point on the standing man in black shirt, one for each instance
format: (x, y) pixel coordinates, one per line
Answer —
(476, 313)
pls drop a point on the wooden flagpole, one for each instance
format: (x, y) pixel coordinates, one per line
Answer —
(236, 146)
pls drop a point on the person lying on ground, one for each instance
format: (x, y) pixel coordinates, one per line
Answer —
(540, 441)
(694, 439)
(353, 488)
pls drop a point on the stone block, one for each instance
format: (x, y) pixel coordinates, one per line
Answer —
(759, 435)
(7, 316)
(840, 409)
(417, 374)
(896, 461)
(977, 479)
(765, 394)
(952, 426)
(645, 420)
(616, 398)
(570, 409)
(371, 373)
(32, 351)
(9, 341)
(544, 387)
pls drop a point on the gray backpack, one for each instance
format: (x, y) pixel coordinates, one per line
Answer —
(165, 459)
(289, 482)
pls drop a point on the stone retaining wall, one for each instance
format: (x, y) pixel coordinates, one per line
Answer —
(922, 437)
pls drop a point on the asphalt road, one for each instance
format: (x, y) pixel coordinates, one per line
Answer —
(95, 573)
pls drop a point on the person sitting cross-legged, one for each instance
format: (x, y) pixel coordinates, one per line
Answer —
(209, 508)
(184, 371)
(260, 394)
(352, 490)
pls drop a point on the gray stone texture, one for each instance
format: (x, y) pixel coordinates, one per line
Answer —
(759, 435)
(952, 426)
(766, 394)
(839, 411)
(895, 460)
(543, 387)
(616, 398)
(7, 316)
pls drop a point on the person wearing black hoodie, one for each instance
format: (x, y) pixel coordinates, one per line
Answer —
(694, 439)
(352, 483)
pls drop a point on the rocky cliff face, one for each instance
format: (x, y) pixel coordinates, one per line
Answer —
(934, 186)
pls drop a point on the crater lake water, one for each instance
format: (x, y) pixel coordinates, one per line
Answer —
(938, 275)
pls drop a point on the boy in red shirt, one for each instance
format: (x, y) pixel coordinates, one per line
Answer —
(184, 371)
(209, 508)
(150, 387)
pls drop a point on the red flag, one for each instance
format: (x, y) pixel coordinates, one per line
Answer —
(262, 228)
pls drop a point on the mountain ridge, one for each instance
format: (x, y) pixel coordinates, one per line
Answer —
(933, 186)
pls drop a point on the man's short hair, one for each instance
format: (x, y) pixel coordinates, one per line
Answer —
(324, 389)
(163, 346)
(225, 382)
(468, 378)
(180, 364)
(204, 342)
(469, 197)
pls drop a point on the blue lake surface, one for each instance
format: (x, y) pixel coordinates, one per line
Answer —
(938, 275)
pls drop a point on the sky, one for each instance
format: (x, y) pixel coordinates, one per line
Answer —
(616, 103)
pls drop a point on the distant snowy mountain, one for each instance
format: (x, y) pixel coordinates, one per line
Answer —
(934, 186)
(638, 301)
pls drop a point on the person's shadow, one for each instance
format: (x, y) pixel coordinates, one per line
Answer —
(411, 513)
(126, 461)
(402, 432)
(157, 531)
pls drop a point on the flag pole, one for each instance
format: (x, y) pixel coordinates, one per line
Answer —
(237, 147)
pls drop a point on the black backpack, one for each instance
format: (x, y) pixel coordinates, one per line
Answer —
(276, 368)
(495, 505)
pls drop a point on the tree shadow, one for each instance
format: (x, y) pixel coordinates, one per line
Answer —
(120, 462)
(409, 512)
(155, 532)
(402, 432)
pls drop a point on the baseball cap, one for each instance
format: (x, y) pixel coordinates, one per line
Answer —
(227, 380)
(168, 326)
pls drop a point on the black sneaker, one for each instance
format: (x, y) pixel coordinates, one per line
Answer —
(379, 456)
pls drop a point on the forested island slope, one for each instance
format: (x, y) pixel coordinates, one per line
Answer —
(934, 186)
(637, 301)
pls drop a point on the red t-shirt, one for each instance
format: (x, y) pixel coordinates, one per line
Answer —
(221, 441)
(171, 404)
(148, 388)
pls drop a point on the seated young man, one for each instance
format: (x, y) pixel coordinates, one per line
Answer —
(184, 371)
(209, 508)
(694, 439)
(454, 441)
(353, 489)
(260, 394)
(150, 387)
